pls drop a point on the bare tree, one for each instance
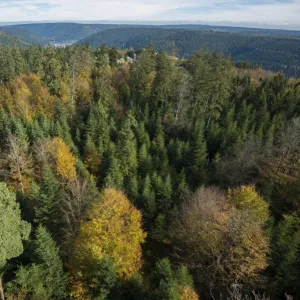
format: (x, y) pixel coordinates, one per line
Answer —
(235, 293)
(287, 148)
(242, 163)
(79, 194)
(16, 160)
(220, 243)
(182, 88)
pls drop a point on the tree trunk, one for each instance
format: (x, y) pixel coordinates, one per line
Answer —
(1, 291)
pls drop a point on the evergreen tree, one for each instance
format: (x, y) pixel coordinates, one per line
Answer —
(52, 71)
(198, 157)
(47, 211)
(44, 278)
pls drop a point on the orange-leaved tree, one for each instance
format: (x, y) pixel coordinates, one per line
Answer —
(112, 231)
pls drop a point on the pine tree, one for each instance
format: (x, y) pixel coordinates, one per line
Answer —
(127, 148)
(113, 177)
(47, 211)
(102, 56)
(148, 198)
(162, 82)
(13, 230)
(7, 65)
(52, 71)
(45, 276)
(198, 157)
(19, 61)
(132, 188)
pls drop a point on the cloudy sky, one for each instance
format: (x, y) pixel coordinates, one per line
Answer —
(285, 13)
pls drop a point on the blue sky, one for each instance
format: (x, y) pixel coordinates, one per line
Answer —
(284, 13)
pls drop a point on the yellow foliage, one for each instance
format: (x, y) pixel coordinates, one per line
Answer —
(187, 293)
(246, 198)
(27, 97)
(83, 90)
(247, 248)
(209, 230)
(21, 100)
(63, 158)
(113, 230)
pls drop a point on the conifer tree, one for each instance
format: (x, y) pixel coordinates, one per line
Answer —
(13, 230)
(52, 71)
(44, 277)
(47, 211)
(198, 157)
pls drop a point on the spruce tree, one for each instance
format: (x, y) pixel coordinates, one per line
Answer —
(44, 278)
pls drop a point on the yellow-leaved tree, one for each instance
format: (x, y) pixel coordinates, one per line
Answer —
(113, 231)
(246, 198)
(187, 293)
(64, 160)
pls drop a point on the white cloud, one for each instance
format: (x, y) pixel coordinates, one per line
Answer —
(272, 11)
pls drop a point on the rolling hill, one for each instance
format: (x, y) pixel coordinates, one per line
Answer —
(23, 35)
(8, 40)
(275, 53)
(62, 32)
(65, 32)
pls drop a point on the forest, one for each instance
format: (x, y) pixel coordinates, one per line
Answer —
(146, 177)
(275, 50)
(274, 53)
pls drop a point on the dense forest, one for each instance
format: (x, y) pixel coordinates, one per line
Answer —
(274, 50)
(275, 53)
(9, 40)
(146, 177)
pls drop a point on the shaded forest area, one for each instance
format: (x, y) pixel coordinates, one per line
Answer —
(155, 179)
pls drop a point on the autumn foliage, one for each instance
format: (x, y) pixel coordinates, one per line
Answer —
(112, 230)
(63, 158)
(246, 198)
(222, 243)
(187, 293)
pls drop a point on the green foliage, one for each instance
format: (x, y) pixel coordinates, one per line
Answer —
(48, 198)
(45, 277)
(74, 121)
(13, 230)
(285, 265)
(169, 280)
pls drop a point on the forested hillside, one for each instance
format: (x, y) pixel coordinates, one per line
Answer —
(275, 53)
(23, 35)
(8, 40)
(62, 32)
(146, 178)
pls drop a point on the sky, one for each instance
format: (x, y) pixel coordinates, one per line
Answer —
(273, 13)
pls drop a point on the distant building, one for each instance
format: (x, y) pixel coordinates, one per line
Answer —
(122, 60)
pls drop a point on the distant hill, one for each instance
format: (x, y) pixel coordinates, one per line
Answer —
(62, 32)
(72, 32)
(23, 35)
(275, 53)
(8, 40)
(255, 31)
